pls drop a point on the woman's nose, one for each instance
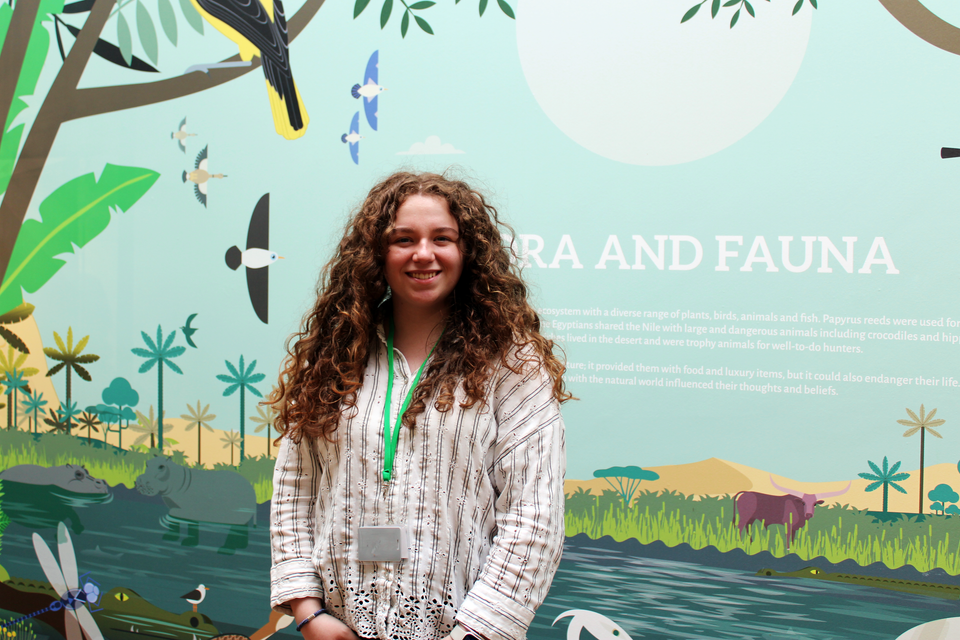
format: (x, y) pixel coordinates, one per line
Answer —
(424, 252)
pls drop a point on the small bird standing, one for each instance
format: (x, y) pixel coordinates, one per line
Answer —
(196, 596)
(199, 177)
(181, 134)
(188, 331)
(259, 28)
(369, 90)
(353, 138)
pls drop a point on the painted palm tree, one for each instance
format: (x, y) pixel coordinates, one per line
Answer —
(200, 419)
(886, 477)
(923, 423)
(14, 383)
(70, 359)
(91, 421)
(33, 402)
(159, 353)
(150, 427)
(265, 420)
(9, 362)
(232, 439)
(243, 379)
(56, 421)
(15, 315)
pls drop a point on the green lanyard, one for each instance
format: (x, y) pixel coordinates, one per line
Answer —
(390, 440)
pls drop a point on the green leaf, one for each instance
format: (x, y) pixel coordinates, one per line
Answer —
(193, 18)
(506, 9)
(692, 11)
(417, 6)
(733, 20)
(35, 56)
(730, 3)
(147, 32)
(404, 24)
(714, 8)
(74, 214)
(749, 9)
(797, 7)
(813, 2)
(387, 10)
(125, 39)
(423, 24)
(483, 6)
(168, 20)
(359, 6)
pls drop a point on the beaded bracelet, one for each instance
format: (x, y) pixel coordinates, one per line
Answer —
(310, 617)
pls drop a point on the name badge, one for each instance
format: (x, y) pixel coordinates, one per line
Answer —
(388, 543)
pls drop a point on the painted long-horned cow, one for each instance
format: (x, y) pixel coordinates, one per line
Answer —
(792, 510)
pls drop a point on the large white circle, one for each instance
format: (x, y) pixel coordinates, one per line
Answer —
(626, 80)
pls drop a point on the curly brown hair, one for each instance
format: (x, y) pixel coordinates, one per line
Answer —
(488, 317)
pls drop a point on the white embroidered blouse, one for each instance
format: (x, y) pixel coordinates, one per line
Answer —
(480, 490)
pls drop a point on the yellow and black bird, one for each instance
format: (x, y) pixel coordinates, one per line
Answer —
(259, 28)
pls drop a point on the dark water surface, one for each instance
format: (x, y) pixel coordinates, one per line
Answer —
(121, 544)
(667, 599)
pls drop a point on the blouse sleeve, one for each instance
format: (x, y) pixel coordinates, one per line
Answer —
(292, 518)
(528, 469)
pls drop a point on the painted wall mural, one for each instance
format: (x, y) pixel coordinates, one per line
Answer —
(739, 219)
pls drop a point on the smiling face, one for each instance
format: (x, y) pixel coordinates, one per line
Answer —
(423, 261)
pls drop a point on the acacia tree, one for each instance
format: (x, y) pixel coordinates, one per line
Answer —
(627, 480)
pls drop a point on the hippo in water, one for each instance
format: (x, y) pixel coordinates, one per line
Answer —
(42, 497)
(201, 495)
(71, 477)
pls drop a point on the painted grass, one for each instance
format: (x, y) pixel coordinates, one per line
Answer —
(112, 465)
(836, 532)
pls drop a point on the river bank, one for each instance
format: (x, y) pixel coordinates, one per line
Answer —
(737, 559)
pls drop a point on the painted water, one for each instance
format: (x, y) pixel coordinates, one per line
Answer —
(121, 544)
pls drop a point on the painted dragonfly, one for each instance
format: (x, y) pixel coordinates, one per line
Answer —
(74, 600)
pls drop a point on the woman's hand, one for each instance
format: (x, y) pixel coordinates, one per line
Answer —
(326, 627)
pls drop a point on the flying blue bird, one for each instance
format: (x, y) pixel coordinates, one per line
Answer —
(188, 331)
(353, 138)
(369, 90)
(257, 258)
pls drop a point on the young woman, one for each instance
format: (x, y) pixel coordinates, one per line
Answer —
(418, 492)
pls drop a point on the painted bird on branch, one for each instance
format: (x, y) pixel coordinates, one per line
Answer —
(259, 28)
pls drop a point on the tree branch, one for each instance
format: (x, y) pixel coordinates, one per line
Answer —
(97, 100)
(36, 149)
(65, 102)
(13, 54)
(924, 24)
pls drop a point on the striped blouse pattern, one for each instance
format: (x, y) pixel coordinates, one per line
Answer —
(480, 491)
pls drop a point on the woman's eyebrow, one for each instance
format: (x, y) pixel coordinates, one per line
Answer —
(437, 230)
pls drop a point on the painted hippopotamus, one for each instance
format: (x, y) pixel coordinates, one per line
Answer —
(201, 495)
(41, 497)
(71, 477)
